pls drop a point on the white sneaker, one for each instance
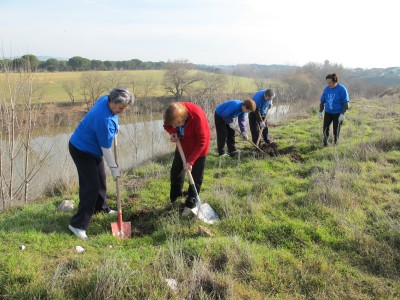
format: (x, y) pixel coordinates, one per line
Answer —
(80, 233)
(186, 212)
(112, 212)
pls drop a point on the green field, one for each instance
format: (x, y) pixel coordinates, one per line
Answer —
(54, 92)
(310, 223)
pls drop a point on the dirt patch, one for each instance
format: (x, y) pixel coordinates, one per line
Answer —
(270, 149)
(293, 154)
(391, 114)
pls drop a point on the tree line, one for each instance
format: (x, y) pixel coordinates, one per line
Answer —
(77, 63)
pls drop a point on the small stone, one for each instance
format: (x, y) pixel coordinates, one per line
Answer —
(79, 249)
(110, 247)
(173, 285)
(66, 206)
(22, 247)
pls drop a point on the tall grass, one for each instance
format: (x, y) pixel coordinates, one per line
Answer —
(310, 223)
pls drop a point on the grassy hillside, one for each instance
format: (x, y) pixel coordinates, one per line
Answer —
(54, 91)
(310, 223)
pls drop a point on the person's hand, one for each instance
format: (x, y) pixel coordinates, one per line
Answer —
(262, 125)
(188, 167)
(341, 118)
(232, 125)
(115, 172)
(244, 135)
(320, 115)
(173, 137)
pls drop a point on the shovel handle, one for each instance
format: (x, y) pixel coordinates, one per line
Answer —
(119, 210)
(178, 143)
(261, 130)
(258, 148)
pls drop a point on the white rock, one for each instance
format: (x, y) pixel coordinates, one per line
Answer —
(22, 247)
(66, 206)
(79, 249)
(172, 284)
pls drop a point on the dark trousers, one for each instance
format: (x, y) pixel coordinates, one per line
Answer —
(92, 187)
(255, 128)
(225, 135)
(178, 178)
(328, 119)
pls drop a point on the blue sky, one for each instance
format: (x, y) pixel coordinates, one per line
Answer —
(360, 34)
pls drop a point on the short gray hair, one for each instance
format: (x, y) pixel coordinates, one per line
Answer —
(270, 93)
(121, 95)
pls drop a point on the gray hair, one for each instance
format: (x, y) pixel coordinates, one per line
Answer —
(121, 95)
(270, 93)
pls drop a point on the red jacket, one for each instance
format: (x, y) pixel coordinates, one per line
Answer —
(196, 139)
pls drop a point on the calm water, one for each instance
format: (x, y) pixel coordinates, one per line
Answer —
(137, 142)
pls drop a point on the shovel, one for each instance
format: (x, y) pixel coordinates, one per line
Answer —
(258, 148)
(119, 229)
(261, 130)
(204, 211)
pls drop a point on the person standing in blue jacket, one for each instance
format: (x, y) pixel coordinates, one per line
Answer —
(335, 100)
(224, 116)
(263, 100)
(90, 142)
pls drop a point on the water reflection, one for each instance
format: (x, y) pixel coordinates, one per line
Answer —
(138, 142)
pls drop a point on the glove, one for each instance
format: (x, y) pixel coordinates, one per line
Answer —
(320, 115)
(262, 125)
(244, 135)
(232, 125)
(115, 172)
(341, 118)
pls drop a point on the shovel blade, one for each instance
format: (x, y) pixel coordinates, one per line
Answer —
(122, 231)
(206, 213)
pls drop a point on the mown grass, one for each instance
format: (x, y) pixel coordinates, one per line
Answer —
(311, 223)
(52, 83)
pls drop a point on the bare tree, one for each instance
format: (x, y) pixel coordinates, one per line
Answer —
(19, 96)
(92, 86)
(69, 88)
(179, 77)
(112, 80)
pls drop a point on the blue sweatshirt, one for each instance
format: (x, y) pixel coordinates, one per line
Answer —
(261, 103)
(96, 130)
(230, 110)
(334, 98)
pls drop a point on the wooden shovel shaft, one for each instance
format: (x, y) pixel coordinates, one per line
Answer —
(178, 143)
(258, 148)
(119, 210)
(261, 130)
(119, 229)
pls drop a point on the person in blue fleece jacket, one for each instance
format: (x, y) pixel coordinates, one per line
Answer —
(224, 116)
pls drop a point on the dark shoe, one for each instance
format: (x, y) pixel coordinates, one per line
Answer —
(172, 206)
(190, 202)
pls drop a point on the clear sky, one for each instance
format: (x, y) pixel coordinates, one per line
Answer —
(353, 33)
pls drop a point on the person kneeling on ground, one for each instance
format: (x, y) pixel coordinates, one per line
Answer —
(224, 116)
(92, 140)
(187, 122)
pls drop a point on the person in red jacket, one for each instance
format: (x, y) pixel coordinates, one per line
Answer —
(188, 122)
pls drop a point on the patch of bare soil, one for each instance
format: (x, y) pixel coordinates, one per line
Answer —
(293, 154)
(390, 114)
(270, 149)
